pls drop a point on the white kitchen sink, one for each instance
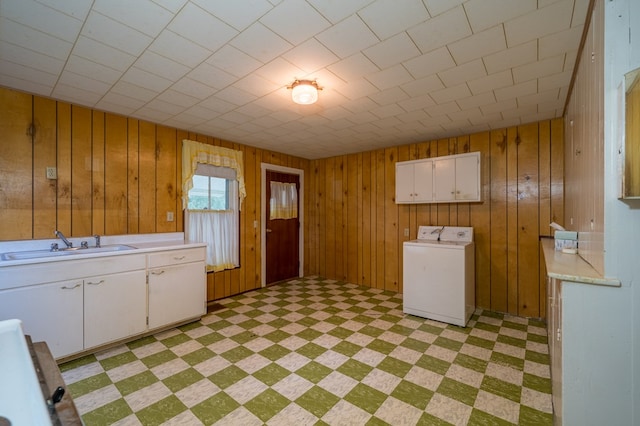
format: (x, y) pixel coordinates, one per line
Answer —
(36, 254)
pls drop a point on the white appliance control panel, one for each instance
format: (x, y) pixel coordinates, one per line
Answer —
(463, 234)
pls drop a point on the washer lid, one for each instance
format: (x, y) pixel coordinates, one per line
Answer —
(462, 234)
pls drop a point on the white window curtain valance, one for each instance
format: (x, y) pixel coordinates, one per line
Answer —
(284, 201)
(194, 153)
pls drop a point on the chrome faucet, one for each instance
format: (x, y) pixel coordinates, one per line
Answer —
(438, 231)
(60, 235)
(97, 237)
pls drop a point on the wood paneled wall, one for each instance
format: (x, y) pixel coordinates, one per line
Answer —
(356, 230)
(115, 175)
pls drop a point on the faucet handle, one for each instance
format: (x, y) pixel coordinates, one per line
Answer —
(54, 246)
(97, 237)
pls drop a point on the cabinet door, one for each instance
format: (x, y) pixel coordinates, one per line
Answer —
(423, 181)
(115, 307)
(404, 183)
(49, 312)
(466, 178)
(176, 293)
(444, 179)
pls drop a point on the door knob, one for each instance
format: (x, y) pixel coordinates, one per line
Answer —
(268, 230)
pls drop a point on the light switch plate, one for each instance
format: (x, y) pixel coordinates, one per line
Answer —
(52, 173)
(169, 216)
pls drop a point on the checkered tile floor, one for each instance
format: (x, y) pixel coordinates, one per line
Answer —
(315, 351)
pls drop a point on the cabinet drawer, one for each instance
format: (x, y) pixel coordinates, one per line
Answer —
(176, 257)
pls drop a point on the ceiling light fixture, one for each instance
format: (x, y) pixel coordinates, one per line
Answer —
(304, 92)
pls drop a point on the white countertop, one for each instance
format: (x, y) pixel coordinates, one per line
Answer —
(572, 267)
(143, 243)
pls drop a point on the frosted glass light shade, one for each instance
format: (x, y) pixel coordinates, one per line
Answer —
(304, 92)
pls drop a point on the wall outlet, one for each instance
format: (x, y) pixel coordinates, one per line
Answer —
(406, 232)
(52, 173)
(255, 224)
(169, 216)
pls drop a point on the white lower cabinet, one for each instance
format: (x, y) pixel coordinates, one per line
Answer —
(49, 312)
(114, 307)
(177, 286)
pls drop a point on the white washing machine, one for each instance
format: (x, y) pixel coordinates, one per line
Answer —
(439, 274)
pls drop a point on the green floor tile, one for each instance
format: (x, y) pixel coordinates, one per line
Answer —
(514, 325)
(490, 314)
(274, 352)
(347, 348)
(487, 327)
(339, 332)
(429, 420)
(507, 360)
(143, 342)
(210, 338)
(450, 344)
(501, 388)
(538, 357)
(161, 411)
(540, 384)
(428, 328)
(175, 340)
(88, 385)
(249, 324)
(366, 397)
(364, 319)
(244, 337)
(537, 338)
(191, 326)
(279, 323)
(480, 418)
(267, 404)
(394, 366)
(228, 376)
(237, 354)
(136, 382)
(311, 350)
(213, 409)
(458, 391)
(355, 369)
(309, 334)
(118, 360)
(416, 345)
(228, 313)
(313, 371)
(471, 363)
(85, 360)
(412, 394)
(399, 329)
(512, 341)
(478, 341)
(381, 346)
(219, 325)
(271, 374)
(317, 401)
(108, 414)
(532, 417)
(196, 357)
(433, 364)
(182, 379)
(371, 331)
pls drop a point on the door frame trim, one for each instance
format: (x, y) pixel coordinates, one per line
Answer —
(263, 217)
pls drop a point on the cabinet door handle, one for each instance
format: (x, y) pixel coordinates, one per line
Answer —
(179, 257)
(157, 272)
(98, 283)
(64, 287)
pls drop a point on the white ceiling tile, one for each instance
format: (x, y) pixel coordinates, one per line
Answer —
(538, 98)
(159, 65)
(416, 103)
(436, 7)
(538, 69)
(88, 68)
(469, 71)
(116, 102)
(354, 67)
(442, 109)
(115, 34)
(392, 51)
(498, 107)
(280, 72)
(260, 43)
(554, 81)
(84, 83)
(491, 82)
(153, 115)
(256, 85)
(423, 86)
(511, 57)
(356, 106)
(347, 37)
(465, 115)
(237, 14)
(197, 25)
(28, 38)
(294, 21)
(179, 99)
(75, 8)
(485, 14)
(211, 76)
(412, 116)
(22, 72)
(310, 56)
(441, 30)
(179, 49)
(430, 63)
(74, 94)
(387, 111)
(235, 95)
(518, 112)
(336, 11)
(42, 18)
(522, 89)
(201, 112)
(102, 54)
(560, 42)
(235, 117)
(172, 6)
(29, 58)
(478, 45)
(145, 79)
(252, 110)
(183, 121)
(193, 88)
(579, 12)
(234, 61)
(167, 107)
(127, 89)
(142, 15)
(389, 96)
(451, 93)
(389, 77)
(476, 100)
(553, 18)
(356, 89)
(389, 17)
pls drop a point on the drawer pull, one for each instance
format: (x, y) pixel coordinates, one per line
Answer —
(158, 272)
(98, 283)
(64, 287)
(179, 257)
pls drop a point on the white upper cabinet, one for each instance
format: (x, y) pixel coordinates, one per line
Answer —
(414, 181)
(447, 179)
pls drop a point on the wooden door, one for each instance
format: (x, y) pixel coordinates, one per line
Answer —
(282, 236)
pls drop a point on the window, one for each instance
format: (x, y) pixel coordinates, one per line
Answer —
(213, 188)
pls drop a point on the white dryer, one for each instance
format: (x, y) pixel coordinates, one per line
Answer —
(439, 274)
